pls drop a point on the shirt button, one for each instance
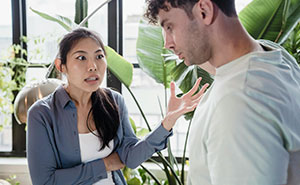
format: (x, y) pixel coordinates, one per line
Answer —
(75, 133)
(73, 115)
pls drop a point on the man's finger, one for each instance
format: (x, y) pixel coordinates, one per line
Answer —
(195, 87)
(172, 87)
(202, 90)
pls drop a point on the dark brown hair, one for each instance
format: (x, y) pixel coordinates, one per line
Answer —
(104, 109)
(153, 7)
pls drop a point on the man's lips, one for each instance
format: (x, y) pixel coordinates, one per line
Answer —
(180, 56)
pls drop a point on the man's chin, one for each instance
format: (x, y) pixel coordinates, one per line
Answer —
(187, 62)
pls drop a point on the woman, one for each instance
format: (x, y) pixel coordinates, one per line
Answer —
(81, 134)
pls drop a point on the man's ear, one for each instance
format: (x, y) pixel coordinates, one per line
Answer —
(205, 11)
(58, 65)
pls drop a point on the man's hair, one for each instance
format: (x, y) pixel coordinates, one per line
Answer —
(226, 6)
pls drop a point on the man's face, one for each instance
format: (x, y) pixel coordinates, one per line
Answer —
(185, 36)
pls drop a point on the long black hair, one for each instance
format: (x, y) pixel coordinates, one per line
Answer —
(104, 110)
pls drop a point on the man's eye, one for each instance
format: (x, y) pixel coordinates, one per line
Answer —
(100, 56)
(81, 58)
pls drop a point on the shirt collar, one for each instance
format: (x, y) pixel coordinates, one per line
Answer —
(272, 54)
(63, 97)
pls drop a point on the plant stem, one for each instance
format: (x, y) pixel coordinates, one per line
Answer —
(165, 162)
(151, 174)
(184, 151)
(155, 162)
(168, 164)
(90, 15)
(22, 64)
(139, 107)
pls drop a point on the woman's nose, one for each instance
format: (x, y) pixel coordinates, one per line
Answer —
(92, 66)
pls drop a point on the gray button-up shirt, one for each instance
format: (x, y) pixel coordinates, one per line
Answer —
(53, 150)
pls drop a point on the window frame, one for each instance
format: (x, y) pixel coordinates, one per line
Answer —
(19, 28)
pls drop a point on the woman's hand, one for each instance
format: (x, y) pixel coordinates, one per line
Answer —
(113, 162)
(179, 106)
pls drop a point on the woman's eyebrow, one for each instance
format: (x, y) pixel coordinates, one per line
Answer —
(99, 50)
(79, 51)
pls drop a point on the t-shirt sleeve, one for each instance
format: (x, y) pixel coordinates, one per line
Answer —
(245, 145)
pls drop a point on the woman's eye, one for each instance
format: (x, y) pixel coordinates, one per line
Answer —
(100, 56)
(81, 58)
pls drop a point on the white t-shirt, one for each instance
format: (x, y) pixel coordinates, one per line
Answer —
(246, 129)
(89, 150)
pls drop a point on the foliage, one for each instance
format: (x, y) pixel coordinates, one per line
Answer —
(166, 67)
(12, 78)
(6, 96)
(292, 44)
(11, 180)
(13, 67)
(263, 19)
(271, 19)
(81, 11)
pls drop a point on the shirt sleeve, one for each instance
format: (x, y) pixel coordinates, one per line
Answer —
(244, 145)
(133, 151)
(42, 158)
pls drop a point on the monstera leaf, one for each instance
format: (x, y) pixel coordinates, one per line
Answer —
(271, 19)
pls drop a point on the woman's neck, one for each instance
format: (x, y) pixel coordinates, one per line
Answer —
(81, 99)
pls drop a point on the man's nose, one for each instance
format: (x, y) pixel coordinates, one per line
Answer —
(169, 42)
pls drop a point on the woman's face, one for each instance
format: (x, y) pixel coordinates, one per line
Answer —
(86, 66)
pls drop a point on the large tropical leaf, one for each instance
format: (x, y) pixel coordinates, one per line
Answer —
(186, 76)
(270, 19)
(293, 17)
(65, 22)
(292, 44)
(121, 68)
(153, 57)
(149, 49)
(81, 11)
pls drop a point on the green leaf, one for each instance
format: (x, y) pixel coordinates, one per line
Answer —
(142, 132)
(134, 181)
(149, 49)
(292, 44)
(81, 11)
(162, 64)
(132, 125)
(292, 20)
(270, 19)
(65, 22)
(120, 67)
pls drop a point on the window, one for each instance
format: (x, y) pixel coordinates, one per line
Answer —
(5, 42)
(43, 36)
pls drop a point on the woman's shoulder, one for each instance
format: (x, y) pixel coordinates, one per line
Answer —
(116, 95)
(46, 103)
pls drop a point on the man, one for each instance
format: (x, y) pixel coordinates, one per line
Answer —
(246, 129)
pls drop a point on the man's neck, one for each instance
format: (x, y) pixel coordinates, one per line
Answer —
(231, 41)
